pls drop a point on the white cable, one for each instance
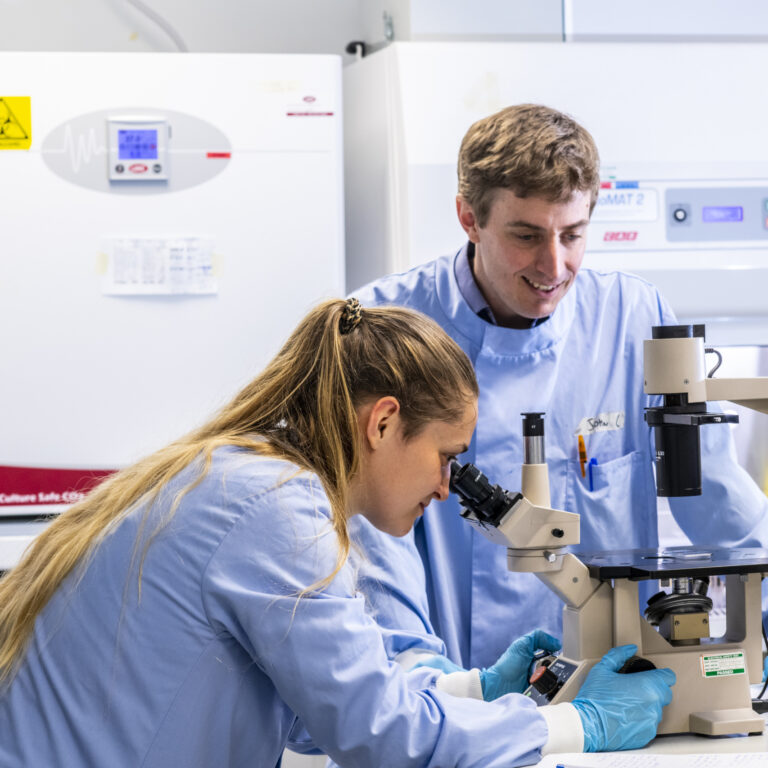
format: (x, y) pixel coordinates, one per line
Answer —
(161, 22)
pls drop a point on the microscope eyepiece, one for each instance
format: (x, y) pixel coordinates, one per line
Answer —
(468, 482)
(489, 503)
(533, 424)
(533, 438)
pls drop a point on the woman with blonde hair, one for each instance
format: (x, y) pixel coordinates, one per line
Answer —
(197, 608)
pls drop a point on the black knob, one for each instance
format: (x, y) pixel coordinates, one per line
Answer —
(544, 680)
(637, 664)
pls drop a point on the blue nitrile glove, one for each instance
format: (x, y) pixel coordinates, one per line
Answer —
(438, 662)
(765, 668)
(510, 673)
(621, 711)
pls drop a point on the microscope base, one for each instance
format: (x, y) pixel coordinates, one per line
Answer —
(712, 694)
(722, 722)
(680, 715)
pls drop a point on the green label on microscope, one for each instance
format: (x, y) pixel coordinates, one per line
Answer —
(723, 664)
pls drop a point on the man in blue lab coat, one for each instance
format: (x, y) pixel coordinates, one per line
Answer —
(543, 335)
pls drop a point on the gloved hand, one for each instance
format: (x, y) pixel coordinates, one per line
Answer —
(621, 711)
(765, 668)
(438, 662)
(510, 673)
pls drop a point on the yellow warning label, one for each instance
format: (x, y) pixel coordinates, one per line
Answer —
(15, 122)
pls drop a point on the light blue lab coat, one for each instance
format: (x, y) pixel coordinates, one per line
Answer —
(215, 662)
(584, 363)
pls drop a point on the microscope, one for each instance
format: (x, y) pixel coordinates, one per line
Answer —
(600, 590)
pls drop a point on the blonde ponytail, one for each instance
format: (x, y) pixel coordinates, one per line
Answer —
(301, 408)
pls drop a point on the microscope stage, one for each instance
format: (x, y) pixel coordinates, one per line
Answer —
(640, 564)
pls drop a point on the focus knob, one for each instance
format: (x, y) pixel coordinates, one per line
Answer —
(637, 664)
(544, 680)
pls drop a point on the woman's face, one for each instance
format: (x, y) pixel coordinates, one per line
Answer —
(399, 477)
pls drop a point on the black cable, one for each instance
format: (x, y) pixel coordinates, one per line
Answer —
(765, 640)
(713, 351)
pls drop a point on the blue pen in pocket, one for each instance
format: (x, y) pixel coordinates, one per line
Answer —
(592, 463)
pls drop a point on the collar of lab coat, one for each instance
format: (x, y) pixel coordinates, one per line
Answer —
(493, 339)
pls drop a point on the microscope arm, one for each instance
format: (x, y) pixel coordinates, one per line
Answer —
(751, 393)
(676, 365)
(534, 533)
(572, 583)
(535, 538)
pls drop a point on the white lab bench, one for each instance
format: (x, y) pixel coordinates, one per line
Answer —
(682, 744)
(687, 744)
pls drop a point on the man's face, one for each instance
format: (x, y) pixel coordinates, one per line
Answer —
(528, 253)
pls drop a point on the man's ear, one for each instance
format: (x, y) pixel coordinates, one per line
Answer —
(467, 219)
(381, 421)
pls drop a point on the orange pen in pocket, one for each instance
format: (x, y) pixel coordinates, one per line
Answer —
(582, 456)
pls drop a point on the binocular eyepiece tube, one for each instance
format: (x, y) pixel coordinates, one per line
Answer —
(489, 503)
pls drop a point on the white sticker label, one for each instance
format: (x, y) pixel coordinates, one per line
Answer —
(139, 266)
(723, 664)
(626, 205)
(603, 422)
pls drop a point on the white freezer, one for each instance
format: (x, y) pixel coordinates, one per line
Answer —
(251, 212)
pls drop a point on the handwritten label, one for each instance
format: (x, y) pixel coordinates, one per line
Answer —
(603, 422)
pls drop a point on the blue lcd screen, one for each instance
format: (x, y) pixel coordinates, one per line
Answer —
(723, 213)
(137, 144)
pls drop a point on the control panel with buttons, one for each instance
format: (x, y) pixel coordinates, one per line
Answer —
(549, 676)
(716, 214)
(138, 148)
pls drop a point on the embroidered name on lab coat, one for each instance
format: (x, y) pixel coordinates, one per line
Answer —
(603, 422)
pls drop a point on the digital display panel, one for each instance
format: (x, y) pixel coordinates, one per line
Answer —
(723, 213)
(137, 144)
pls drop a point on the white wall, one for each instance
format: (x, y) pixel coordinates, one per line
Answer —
(661, 20)
(241, 26)
(536, 20)
(327, 26)
(461, 20)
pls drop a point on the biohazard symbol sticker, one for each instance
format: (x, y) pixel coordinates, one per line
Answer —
(15, 122)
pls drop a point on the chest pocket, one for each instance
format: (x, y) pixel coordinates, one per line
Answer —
(619, 510)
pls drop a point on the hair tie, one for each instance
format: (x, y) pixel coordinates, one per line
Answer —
(351, 316)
